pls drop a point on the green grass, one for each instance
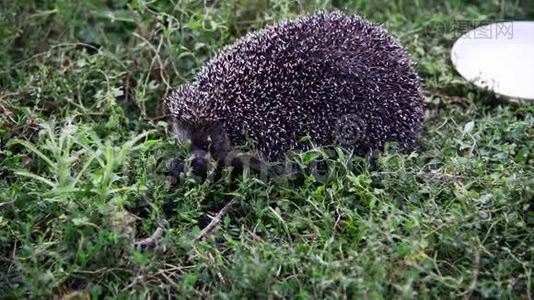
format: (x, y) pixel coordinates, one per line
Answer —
(83, 161)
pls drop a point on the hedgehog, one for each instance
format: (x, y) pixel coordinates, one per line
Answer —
(318, 80)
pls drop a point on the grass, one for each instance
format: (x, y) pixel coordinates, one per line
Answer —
(84, 156)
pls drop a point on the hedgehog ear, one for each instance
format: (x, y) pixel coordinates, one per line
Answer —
(182, 132)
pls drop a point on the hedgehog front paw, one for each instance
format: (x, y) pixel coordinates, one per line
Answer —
(175, 169)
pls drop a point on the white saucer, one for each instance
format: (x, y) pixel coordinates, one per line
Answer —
(498, 57)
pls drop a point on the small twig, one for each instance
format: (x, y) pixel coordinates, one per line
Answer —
(152, 241)
(159, 118)
(134, 282)
(336, 224)
(157, 57)
(215, 220)
(6, 204)
(255, 236)
(53, 47)
(467, 293)
(461, 101)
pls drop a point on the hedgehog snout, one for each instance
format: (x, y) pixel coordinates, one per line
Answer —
(200, 162)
